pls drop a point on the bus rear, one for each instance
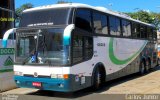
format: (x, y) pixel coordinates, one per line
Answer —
(42, 58)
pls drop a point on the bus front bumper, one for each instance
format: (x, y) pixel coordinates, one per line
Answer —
(61, 85)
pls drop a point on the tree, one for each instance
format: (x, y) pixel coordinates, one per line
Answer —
(20, 10)
(156, 19)
(23, 7)
(142, 16)
(148, 17)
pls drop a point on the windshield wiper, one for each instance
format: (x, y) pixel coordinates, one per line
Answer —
(25, 60)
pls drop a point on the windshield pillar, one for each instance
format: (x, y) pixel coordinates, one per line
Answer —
(67, 41)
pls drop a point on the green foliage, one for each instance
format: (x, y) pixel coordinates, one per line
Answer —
(23, 7)
(148, 17)
(20, 10)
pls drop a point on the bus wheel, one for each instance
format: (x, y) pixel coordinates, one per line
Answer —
(142, 68)
(158, 62)
(97, 79)
(149, 65)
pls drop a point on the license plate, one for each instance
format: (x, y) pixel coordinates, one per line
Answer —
(37, 84)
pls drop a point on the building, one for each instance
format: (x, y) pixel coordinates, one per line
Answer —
(6, 16)
(6, 58)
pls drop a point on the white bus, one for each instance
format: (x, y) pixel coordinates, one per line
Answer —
(68, 47)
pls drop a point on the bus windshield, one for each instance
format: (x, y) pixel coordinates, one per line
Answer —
(54, 16)
(43, 46)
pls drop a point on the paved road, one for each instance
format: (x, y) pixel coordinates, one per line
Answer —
(147, 84)
(133, 84)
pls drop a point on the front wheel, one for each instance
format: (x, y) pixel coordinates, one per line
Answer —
(97, 79)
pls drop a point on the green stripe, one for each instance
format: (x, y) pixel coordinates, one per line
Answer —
(117, 61)
(6, 70)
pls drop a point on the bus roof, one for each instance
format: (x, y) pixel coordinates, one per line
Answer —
(79, 5)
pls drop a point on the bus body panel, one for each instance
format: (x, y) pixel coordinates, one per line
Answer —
(47, 83)
(41, 70)
(81, 74)
(108, 58)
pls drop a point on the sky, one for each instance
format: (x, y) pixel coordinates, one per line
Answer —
(116, 5)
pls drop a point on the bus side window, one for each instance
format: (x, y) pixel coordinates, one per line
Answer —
(100, 23)
(83, 19)
(88, 47)
(82, 48)
(154, 35)
(135, 30)
(77, 48)
(143, 31)
(149, 32)
(126, 28)
(115, 27)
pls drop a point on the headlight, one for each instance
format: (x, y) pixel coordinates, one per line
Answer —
(18, 73)
(53, 75)
(60, 76)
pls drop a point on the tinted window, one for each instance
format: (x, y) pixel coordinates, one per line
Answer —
(126, 28)
(143, 31)
(83, 19)
(154, 34)
(135, 30)
(58, 16)
(82, 48)
(88, 47)
(114, 24)
(77, 48)
(100, 23)
(149, 32)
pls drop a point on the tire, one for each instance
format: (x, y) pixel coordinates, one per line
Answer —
(142, 69)
(97, 79)
(158, 62)
(149, 65)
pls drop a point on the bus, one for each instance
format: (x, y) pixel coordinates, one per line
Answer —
(158, 54)
(69, 47)
(7, 51)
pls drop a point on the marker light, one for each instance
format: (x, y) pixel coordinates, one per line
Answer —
(65, 76)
